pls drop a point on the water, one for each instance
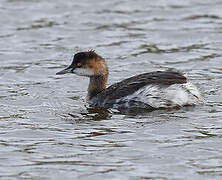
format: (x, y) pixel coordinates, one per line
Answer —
(47, 131)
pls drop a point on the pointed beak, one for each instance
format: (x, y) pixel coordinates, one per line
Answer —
(69, 69)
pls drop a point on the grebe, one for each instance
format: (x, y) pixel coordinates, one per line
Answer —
(154, 90)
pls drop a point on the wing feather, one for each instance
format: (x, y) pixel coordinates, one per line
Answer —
(132, 84)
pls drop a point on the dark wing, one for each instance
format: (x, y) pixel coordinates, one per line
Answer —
(132, 84)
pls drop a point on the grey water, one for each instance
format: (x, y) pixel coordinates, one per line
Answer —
(47, 130)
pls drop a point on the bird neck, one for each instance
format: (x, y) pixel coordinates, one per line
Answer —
(96, 85)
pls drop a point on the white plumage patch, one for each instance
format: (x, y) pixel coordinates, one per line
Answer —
(159, 96)
(83, 72)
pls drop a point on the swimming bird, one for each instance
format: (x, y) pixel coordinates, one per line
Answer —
(152, 90)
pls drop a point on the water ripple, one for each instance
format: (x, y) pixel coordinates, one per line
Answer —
(47, 129)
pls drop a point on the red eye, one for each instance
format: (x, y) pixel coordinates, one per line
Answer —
(79, 65)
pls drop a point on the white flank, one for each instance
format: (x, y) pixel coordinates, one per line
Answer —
(159, 96)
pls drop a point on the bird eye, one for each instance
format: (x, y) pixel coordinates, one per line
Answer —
(79, 65)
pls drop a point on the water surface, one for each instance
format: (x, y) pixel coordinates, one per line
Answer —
(47, 131)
